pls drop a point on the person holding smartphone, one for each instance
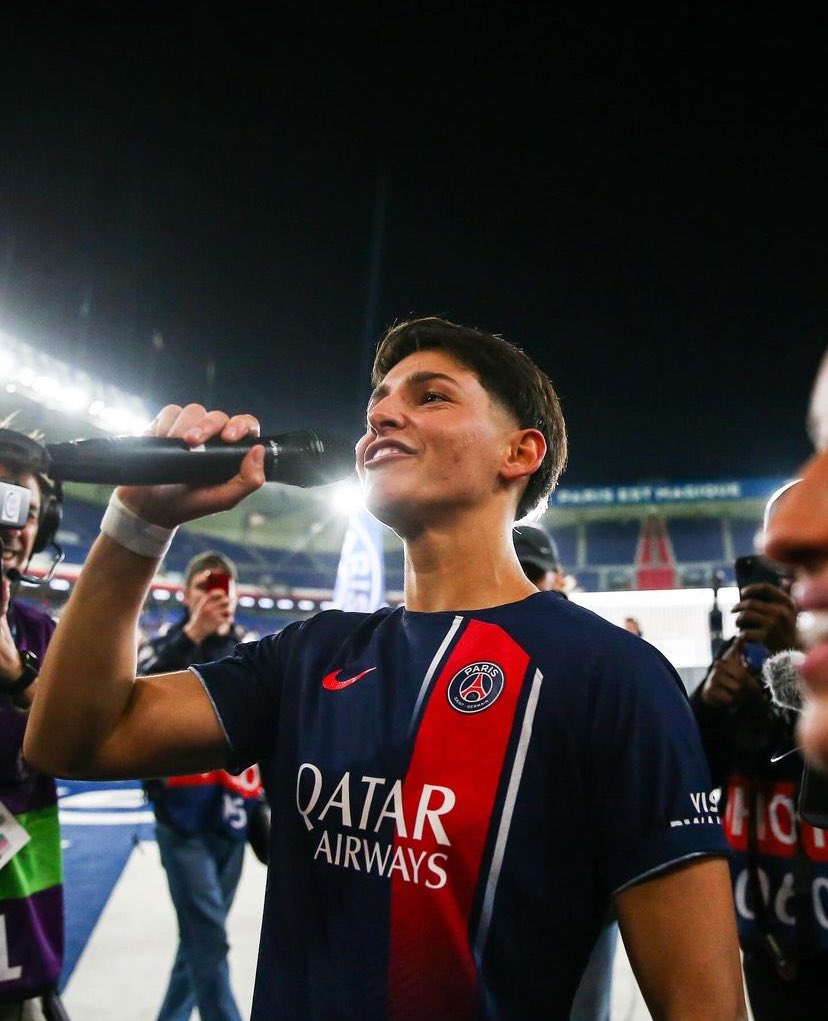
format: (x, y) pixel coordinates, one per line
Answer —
(207, 625)
(202, 819)
(751, 750)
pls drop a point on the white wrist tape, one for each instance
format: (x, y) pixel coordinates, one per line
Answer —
(133, 533)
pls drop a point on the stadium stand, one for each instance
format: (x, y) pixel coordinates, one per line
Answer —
(696, 540)
(743, 533)
(566, 538)
(589, 581)
(611, 542)
(600, 553)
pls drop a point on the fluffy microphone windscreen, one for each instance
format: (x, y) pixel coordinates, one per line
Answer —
(782, 679)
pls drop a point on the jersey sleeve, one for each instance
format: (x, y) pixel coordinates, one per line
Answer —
(245, 689)
(651, 804)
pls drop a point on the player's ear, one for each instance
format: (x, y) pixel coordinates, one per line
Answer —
(526, 450)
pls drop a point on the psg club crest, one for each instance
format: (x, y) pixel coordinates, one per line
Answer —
(475, 687)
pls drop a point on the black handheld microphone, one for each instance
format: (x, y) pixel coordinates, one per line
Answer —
(302, 458)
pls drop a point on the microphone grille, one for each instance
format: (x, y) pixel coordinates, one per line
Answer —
(310, 457)
(337, 453)
(782, 679)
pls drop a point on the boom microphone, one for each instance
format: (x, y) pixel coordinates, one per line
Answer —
(301, 458)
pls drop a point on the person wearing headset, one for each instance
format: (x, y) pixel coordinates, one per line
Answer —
(31, 891)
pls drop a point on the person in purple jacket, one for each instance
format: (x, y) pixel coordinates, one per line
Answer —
(31, 881)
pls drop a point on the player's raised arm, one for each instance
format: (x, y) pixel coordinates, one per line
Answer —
(91, 717)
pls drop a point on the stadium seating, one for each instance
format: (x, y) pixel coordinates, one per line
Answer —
(566, 538)
(702, 546)
(696, 540)
(612, 542)
(744, 532)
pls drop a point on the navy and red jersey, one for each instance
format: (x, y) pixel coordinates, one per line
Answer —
(213, 802)
(455, 799)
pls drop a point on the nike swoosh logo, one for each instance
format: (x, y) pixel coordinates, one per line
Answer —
(332, 682)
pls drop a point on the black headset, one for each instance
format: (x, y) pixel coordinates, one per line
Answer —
(28, 455)
(51, 514)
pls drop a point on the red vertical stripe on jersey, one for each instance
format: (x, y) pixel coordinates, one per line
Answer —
(431, 969)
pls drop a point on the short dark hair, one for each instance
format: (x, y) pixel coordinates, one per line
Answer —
(210, 560)
(505, 372)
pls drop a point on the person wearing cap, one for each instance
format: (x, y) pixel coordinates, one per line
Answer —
(538, 554)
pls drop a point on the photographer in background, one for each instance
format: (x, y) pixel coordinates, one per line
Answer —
(31, 883)
(777, 858)
(538, 554)
(201, 820)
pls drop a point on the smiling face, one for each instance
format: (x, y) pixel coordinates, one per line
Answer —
(435, 442)
(510, 378)
(19, 542)
(797, 534)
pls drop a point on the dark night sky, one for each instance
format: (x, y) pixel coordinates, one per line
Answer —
(640, 203)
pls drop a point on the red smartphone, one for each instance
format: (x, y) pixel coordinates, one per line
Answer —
(218, 580)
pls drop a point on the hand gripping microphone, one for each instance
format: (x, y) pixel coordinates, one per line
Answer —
(301, 458)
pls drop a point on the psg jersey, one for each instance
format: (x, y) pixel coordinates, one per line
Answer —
(455, 799)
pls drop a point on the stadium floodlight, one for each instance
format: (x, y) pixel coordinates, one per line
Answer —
(266, 603)
(161, 594)
(46, 386)
(305, 604)
(72, 399)
(122, 420)
(46, 380)
(347, 497)
(247, 601)
(285, 604)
